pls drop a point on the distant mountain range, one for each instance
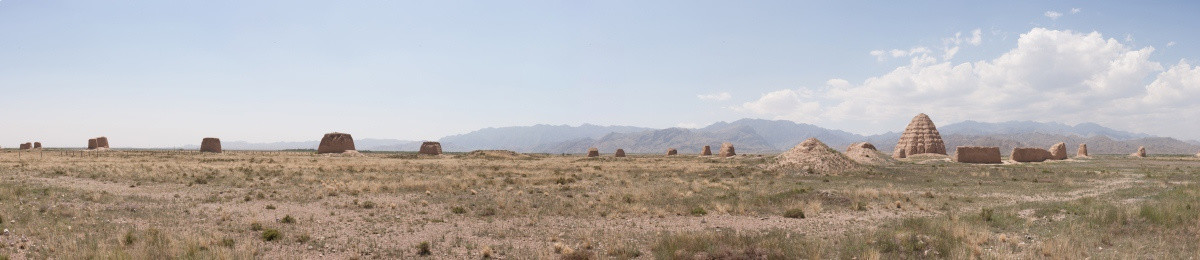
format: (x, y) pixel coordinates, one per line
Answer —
(763, 136)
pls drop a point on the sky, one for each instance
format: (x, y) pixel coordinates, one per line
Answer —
(168, 73)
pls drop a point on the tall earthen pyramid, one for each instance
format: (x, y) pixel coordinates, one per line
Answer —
(921, 136)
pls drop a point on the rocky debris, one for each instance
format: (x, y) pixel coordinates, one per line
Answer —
(493, 154)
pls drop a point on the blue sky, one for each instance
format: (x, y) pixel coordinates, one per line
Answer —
(165, 73)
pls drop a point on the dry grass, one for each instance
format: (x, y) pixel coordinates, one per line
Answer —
(159, 204)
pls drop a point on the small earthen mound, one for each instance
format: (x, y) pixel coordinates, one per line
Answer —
(726, 150)
(1030, 154)
(37, 145)
(813, 156)
(921, 136)
(672, 151)
(210, 145)
(707, 151)
(1058, 151)
(593, 152)
(619, 153)
(431, 148)
(92, 144)
(1141, 152)
(1082, 152)
(493, 155)
(865, 153)
(975, 154)
(336, 143)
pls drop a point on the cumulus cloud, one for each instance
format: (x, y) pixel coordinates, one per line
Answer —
(715, 97)
(1076, 10)
(1051, 75)
(1172, 43)
(1053, 15)
(791, 104)
(922, 54)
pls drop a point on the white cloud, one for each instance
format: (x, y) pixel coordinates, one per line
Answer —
(1051, 75)
(1172, 43)
(785, 104)
(976, 37)
(715, 97)
(1177, 86)
(878, 55)
(837, 83)
(1076, 10)
(949, 53)
(920, 54)
(1053, 14)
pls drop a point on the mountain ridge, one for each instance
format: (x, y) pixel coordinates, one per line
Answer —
(760, 136)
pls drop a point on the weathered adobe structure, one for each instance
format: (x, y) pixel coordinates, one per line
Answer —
(672, 151)
(726, 150)
(92, 144)
(593, 152)
(1141, 152)
(976, 154)
(1082, 152)
(26, 146)
(620, 153)
(210, 145)
(102, 142)
(921, 136)
(813, 156)
(1030, 154)
(37, 145)
(431, 148)
(336, 143)
(1058, 151)
(865, 153)
(707, 151)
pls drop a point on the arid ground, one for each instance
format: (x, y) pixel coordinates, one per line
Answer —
(238, 205)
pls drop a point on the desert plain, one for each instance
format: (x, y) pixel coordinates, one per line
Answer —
(121, 204)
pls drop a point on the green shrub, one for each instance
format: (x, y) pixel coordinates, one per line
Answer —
(794, 213)
(271, 234)
(423, 249)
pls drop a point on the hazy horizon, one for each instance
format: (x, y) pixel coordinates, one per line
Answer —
(163, 74)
